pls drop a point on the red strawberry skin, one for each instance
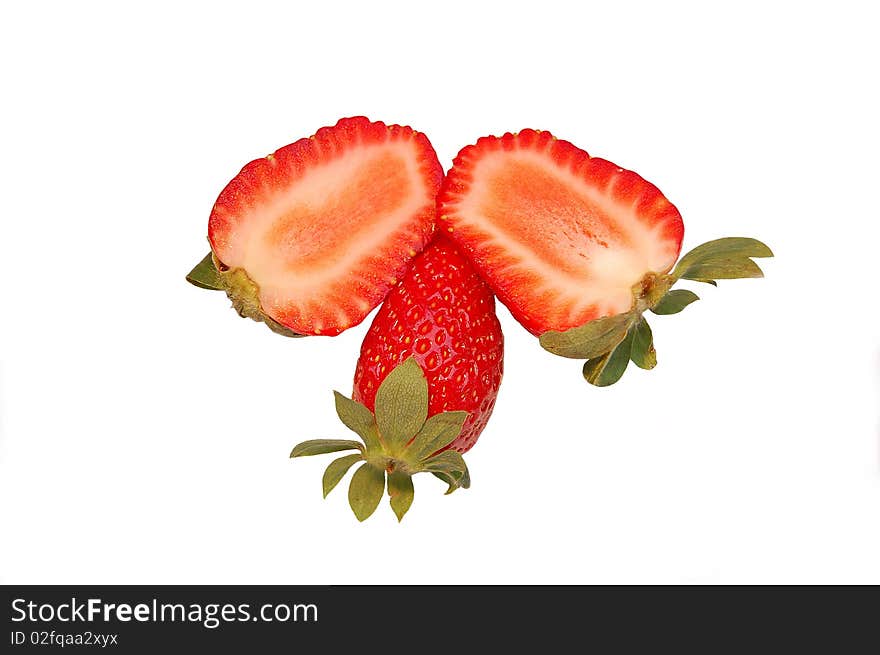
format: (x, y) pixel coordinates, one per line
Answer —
(325, 226)
(442, 314)
(561, 237)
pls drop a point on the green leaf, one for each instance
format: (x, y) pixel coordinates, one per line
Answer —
(729, 247)
(356, 417)
(607, 369)
(448, 479)
(450, 467)
(592, 339)
(401, 492)
(460, 479)
(642, 353)
(438, 432)
(674, 301)
(402, 405)
(323, 446)
(702, 261)
(371, 438)
(465, 480)
(277, 328)
(337, 470)
(454, 480)
(365, 491)
(723, 269)
(448, 460)
(205, 275)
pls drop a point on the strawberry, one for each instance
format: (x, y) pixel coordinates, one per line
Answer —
(425, 383)
(559, 235)
(443, 315)
(578, 248)
(312, 237)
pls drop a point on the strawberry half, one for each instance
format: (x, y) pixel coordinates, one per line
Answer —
(312, 237)
(425, 383)
(576, 247)
(561, 236)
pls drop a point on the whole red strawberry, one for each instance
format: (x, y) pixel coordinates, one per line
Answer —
(425, 383)
(443, 315)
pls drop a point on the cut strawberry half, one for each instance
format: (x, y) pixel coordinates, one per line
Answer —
(578, 248)
(312, 237)
(560, 236)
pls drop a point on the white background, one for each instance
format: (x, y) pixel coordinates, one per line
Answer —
(145, 429)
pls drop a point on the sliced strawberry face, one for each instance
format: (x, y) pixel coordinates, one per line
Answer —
(561, 237)
(325, 226)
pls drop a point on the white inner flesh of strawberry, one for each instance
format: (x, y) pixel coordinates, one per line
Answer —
(302, 237)
(586, 248)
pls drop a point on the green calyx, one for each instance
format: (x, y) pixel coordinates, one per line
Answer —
(397, 441)
(244, 293)
(610, 343)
